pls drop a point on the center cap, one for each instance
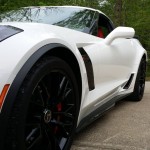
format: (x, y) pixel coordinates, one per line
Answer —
(47, 115)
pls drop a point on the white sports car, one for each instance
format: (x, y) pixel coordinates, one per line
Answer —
(60, 68)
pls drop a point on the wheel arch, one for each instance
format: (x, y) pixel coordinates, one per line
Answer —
(66, 55)
(57, 50)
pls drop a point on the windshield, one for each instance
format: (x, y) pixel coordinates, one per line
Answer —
(70, 17)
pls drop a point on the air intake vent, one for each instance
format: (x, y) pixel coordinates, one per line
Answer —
(129, 82)
(89, 68)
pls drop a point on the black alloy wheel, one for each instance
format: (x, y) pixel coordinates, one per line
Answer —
(141, 78)
(48, 107)
(139, 87)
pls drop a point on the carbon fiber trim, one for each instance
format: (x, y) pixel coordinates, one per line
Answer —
(8, 31)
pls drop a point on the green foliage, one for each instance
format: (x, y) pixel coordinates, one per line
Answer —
(6, 5)
(134, 13)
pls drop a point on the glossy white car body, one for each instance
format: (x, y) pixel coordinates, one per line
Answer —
(113, 59)
(112, 64)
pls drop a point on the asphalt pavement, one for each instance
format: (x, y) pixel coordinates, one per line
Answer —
(125, 127)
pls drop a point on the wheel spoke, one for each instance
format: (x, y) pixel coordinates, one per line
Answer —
(38, 91)
(66, 94)
(62, 126)
(70, 107)
(59, 123)
(48, 140)
(33, 138)
(51, 137)
(41, 95)
(62, 90)
(62, 97)
(46, 93)
(68, 115)
(62, 87)
(36, 98)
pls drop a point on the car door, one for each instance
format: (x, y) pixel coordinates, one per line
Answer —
(111, 67)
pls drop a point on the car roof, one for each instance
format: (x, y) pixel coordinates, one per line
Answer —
(69, 6)
(96, 10)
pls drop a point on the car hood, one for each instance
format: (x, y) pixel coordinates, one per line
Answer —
(43, 31)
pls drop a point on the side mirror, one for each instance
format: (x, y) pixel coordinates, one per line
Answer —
(119, 32)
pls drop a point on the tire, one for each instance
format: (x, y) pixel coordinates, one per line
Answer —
(45, 113)
(139, 87)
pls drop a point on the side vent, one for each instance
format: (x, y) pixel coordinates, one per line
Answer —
(89, 68)
(129, 82)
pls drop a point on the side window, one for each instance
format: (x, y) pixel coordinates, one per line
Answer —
(105, 26)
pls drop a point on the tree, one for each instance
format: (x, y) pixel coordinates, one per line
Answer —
(134, 13)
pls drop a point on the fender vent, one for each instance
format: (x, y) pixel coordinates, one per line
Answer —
(89, 68)
(129, 81)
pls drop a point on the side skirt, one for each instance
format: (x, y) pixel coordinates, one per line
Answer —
(98, 112)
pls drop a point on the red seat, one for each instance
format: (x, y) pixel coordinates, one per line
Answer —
(100, 33)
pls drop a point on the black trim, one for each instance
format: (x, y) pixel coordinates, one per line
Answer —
(99, 112)
(14, 88)
(94, 115)
(89, 68)
(129, 81)
(8, 31)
